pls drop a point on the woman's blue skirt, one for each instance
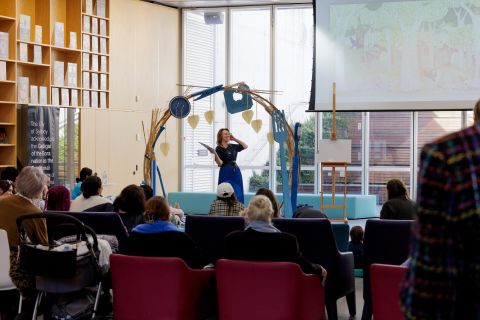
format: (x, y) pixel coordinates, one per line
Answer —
(232, 175)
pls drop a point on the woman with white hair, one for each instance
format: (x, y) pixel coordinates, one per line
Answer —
(261, 241)
(30, 184)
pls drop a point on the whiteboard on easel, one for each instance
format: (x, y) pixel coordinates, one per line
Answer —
(339, 150)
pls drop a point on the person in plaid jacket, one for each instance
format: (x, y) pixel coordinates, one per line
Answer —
(226, 203)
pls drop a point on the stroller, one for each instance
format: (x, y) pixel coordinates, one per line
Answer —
(61, 268)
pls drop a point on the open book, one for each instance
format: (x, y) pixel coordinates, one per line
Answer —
(208, 147)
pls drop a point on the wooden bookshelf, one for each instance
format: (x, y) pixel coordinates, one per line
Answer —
(40, 72)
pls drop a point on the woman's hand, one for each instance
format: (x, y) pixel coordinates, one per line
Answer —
(324, 276)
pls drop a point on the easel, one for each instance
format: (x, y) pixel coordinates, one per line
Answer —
(334, 166)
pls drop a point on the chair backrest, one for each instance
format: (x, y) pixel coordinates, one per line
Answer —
(5, 281)
(103, 223)
(267, 290)
(387, 242)
(159, 288)
(341, 233)
(385, 282)
(209, 232)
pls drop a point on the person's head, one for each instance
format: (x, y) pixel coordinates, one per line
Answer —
(131, 200)
(226, 193)
(223, 135)
(92, 186)
(396, 188)
(356, 234)
(58, 198)
(9, 173)
(6, 187)
(476, 112)
(269, 194)
(147, 190)
(85, 173)
(259, 209)
(157, 208)
(31, 182)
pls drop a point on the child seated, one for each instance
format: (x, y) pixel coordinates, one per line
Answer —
(356, 246)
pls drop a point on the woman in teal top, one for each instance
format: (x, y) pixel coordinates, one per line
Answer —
(77, 190)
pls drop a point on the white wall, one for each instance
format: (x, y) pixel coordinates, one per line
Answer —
(144, 71)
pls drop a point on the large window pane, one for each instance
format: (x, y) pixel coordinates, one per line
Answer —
(433, 125)
(68, 153)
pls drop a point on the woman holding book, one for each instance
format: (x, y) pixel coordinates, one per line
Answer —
(225, 157)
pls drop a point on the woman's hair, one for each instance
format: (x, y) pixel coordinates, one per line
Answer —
(58, 198)
(147, 190)
(156, 208)
(31, 181)
(219, 135)
(131, 200)
(269, 194)
(5, 185)
(396, 188)
(90, 186)
(259, 208)
(84, 174)
(356, 234)
(476, 112)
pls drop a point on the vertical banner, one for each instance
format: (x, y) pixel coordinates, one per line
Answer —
(42, 140)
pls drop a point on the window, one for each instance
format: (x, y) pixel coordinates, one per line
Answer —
(68, 152)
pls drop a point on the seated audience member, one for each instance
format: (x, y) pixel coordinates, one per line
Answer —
(306, 211)
(91, 199)
(176, 213)
(130, 205)
(30, 184)
(84, 174)
(6, 188)
(399, 206)
(271, 196)
(261, 241)
(147, 190)
(158, 237)
(226, 203)
(356, 246)
(9, 173)
(58, 199)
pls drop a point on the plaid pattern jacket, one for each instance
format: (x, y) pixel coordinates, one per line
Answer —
(443, 280)
(221, 208)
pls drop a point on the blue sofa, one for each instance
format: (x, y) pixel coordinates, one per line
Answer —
(358, 206)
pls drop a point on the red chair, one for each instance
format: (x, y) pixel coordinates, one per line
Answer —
(268, 290)
(385, 284)
(160, 288)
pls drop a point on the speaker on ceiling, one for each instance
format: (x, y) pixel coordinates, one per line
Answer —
(213, 17)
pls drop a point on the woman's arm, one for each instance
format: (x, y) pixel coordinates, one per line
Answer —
(217, 159)
(240, 142)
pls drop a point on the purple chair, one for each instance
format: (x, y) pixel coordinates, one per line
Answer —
(317, 244)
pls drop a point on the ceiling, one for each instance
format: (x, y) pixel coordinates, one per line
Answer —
(223, 3)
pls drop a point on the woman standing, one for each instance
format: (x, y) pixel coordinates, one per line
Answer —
(226, 157)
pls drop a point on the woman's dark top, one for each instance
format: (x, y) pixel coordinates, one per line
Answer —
(267, 246)
(399, 208)
(229, 155)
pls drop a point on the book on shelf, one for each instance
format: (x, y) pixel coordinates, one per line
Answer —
(94, 62)
(94, 25)
(88, 7)
(103, 100)
(103, 45)
(33, 94)
(58, 73)
(3, 136)
(22, 90)
(24, 27)
(37, 54)
(86, 98)
(86, 42)
(86, 80)
(3, 71)
(38, 34)
(59, 34)
(23, 52)
(103, 82)
(103, 64)
(74, 98)
(103, 27)
(101, 8)
(42, 93)
(86, 24)
(73, 40)
(72, 74)
(94, 103)
(55, 97)
(65, 97)
(86, 61)
(95, 44)
(3, 45)
(94, 84)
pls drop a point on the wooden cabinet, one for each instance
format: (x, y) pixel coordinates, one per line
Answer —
(64, 26)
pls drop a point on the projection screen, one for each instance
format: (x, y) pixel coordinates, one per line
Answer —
(396, 55)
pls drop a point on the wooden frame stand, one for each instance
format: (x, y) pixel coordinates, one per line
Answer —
(334, 205)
